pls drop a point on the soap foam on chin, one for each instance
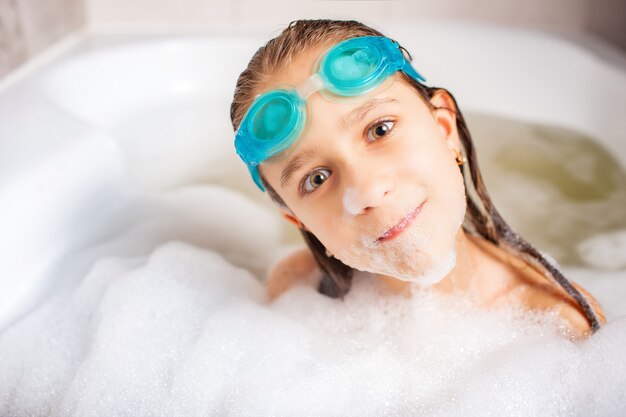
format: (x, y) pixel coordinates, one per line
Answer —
(411, 265)
(437, 272)
(411, 257)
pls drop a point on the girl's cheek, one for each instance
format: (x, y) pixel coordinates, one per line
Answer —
(326, 227)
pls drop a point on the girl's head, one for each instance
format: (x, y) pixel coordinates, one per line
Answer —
(365, 167)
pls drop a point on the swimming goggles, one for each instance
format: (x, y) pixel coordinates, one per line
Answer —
(351, 68)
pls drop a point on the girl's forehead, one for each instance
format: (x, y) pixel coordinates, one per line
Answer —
(299, 69)
(394, 94)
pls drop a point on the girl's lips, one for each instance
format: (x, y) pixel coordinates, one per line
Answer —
(402, 224)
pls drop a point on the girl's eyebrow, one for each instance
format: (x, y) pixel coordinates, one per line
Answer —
(306, 155)
(360, 112)
(295, 164)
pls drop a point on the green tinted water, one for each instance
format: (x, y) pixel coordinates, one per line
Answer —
(554, 186)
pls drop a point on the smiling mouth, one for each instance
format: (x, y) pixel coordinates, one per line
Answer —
(401, 226)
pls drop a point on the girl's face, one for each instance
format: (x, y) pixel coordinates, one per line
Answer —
(375, 180)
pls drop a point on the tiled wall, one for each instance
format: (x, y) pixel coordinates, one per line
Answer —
(29, 26)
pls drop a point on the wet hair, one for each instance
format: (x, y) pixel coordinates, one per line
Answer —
(481, 217)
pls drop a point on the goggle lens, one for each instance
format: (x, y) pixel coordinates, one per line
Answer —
(273, 119)
(277, 118)
(353, 65)
(352, 68)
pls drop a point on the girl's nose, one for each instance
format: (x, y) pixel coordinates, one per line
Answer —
(366, 189)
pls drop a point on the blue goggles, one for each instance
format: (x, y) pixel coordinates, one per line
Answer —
(351, 68)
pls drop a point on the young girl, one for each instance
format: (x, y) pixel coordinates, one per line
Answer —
(379, 173)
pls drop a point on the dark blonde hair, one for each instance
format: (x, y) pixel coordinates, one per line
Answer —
(481, 217)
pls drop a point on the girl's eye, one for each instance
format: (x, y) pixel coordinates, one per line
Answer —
(380, 129)
(314, 180)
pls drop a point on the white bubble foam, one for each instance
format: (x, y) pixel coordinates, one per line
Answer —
(154, 329)
(605, 251)
(184, 333)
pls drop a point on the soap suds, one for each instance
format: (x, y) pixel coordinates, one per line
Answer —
(184, 333)
(605, 251)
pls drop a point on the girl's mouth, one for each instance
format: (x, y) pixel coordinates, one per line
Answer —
(401, 226)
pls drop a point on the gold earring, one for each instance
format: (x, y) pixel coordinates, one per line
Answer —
(460, 158)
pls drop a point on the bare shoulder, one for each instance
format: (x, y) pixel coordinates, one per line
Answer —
(541, 293)
(530, 286)
(299, 266)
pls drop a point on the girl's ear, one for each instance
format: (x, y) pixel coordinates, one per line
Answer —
(291, 218)
(445, 116)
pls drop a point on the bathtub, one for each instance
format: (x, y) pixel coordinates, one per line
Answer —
(98, 137)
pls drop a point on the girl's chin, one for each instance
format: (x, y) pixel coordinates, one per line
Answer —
(415, 266)
(414, 256)
(431, 275)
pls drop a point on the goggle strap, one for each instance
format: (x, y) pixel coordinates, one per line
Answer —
(393, 50)
(256, 176)
(311, 85)
(412, 72)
